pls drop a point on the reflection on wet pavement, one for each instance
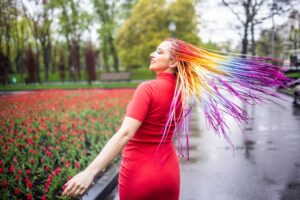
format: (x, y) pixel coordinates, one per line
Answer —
(265, 164)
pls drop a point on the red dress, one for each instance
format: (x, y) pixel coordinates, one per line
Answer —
(145, 175)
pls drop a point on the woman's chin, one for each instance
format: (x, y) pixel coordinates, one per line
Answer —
(151, 68)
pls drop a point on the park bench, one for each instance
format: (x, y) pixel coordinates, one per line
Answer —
(115, 76)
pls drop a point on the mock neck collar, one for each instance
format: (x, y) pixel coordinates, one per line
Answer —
(165, 75)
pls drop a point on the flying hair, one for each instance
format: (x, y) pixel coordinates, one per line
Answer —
(214, 81)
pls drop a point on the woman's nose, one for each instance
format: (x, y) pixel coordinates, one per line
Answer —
(152, 55)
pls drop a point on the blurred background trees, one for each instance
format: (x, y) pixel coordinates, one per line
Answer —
(151, 22)
(54, 40)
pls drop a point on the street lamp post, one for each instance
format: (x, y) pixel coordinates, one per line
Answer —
(172, 29)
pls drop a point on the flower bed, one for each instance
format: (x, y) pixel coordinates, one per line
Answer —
(49, 136)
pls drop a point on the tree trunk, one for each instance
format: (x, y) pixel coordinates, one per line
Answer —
(253, 43)
(70, 67)
(46, 54)
(105, 55)
(78, 59)
(245, 39)
(114, 53)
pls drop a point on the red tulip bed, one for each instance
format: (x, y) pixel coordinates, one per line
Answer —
(49, 136)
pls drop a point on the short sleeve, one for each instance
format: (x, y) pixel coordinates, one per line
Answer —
(139, 105)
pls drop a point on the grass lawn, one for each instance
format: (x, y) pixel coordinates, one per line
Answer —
(54, 81)
(136, 74)
(67, 86)
(293, 75)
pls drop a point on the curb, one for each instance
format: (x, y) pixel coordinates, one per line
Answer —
(104, 185)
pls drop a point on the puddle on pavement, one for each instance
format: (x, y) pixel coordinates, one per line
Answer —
(271, 148)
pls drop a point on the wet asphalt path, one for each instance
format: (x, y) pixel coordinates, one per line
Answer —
(266, 163)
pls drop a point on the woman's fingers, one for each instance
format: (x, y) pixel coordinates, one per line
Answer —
(79, 191)
(74, 190)
(69, 189)
(77, 185)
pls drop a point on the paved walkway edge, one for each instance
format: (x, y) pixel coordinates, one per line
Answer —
(104, 185)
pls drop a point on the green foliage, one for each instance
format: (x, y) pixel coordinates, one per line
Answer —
(68, 86)
(263, 45)
(136, 74)
(186, 25)
(147, 27)
(294, 75)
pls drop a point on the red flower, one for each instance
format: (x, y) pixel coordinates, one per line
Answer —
(44, 197)
(12, 169)
(30, 141)
(77, 164)
(67, 164)
(27, 171)
(15, 159)
(17, 191)
(4, 183)
(17, 178)
(1, 162)
(29, 184)
(29, 196)
(57, 170)
(2, 170)
(50, 177)
(47, 168)
(31, 161)
(27, 179)
(19, 171)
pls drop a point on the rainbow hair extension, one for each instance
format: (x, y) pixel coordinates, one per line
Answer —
(204, 76)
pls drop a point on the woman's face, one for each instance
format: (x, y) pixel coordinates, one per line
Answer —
(161, 58)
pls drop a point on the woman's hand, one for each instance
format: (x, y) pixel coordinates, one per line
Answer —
(78, 184)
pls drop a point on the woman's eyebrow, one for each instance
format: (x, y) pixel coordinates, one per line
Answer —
(160, 49)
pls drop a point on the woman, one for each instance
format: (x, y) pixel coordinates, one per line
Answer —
(161, 107)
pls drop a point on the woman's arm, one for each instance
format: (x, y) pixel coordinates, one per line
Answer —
(114, 145)
(79, 183)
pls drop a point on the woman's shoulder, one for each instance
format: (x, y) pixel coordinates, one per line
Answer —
(150, 84)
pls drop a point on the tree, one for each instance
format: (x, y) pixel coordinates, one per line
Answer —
(73, 22)
(250, 16)
(31, 65)
(90, 63)
(263, 45)
(186, 27)
(20, 35)
(61, 64)
(8, 13)
(147, 26)
(45, 35)
(107, 12)
(250, 9)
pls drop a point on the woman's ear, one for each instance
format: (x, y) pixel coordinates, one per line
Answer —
(173, 63)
